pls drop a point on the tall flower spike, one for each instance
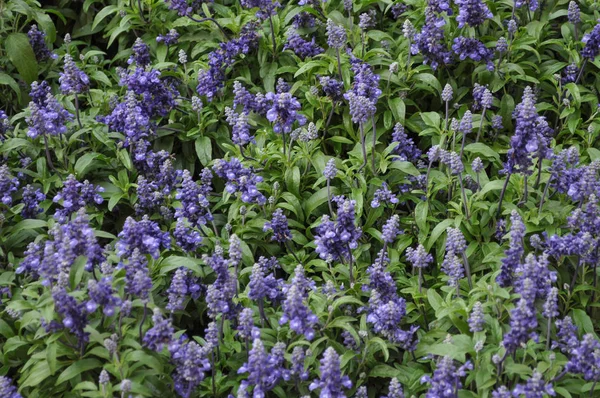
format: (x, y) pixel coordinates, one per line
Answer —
(7, 390)
(472, 12)
(295, 311)
(279, 226)
(514, 254)
(391, 229)
(336, 35)
(331, 381)
(38, 44)
(264, 370)
(476, 320)
(73, 80)
(161, 334)
(445, 381)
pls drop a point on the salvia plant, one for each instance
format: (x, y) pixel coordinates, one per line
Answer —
(257, 198)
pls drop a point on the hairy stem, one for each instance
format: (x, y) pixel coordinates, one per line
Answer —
(499, 212)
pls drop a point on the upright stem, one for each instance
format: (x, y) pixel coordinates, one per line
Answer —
(462, 146)
(467, 269)
(420, 281)
(576, 33)
(273, 36)
(575, 275)
(48, 158)
(283, 135)
(478, 184)
(374, 142)
(543, 197)
(261, 311)
(329, 118)
(350, 263)
(291, 250)
(362, 143)
(339, 62)
(539, 176)
(481, 124)
(143, 319)
(499, 212)
(447, 116)
(464, 196)
(77, 111)
(362, 36)
(581, 70)
(329, 198)
(141, 11)
(549, 325)
(408, 60)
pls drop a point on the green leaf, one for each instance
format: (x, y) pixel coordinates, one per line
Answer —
(583, 321)
(317, 199)
(7, 80)
(77, 368)
(435, 300)
(292, 180)
(482, 149)
(84, 162)
(21, 55)
(385, 371)
(421, 215)
(398, 109)
(431, 119)
(46, 25)
(51, 357)
(38, 373)
(204, 150)
(406, 167)
(13, 144)
(437, 231)
(382, 345)
(30, 224)
(105, 12)
(594, 154)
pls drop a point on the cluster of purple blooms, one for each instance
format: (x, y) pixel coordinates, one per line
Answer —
(264, 370)
(7, 389)
(386, 309)
(531, 137)
(362, 97)
(335, 240)
(465, 47)
(211, 80)
(331, 381)
(430, 42)
(73, 80)
(472, 12)
(169, 39)
(446, 379)
(301, 47)
(295, 311)
(76, 195)
(48, 116)
(144, 235)
(38, 44)
(406, 149)
(9, 184)
(240, 179)
(51, 260)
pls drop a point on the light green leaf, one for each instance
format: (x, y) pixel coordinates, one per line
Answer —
(204, 150)
(21, 55)
(77, 368)
(84, 162)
